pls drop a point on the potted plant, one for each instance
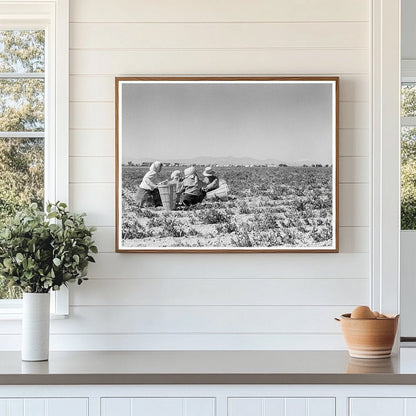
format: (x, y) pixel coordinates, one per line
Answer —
(40, 252)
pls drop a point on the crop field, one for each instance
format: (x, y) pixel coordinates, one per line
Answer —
(282, 207)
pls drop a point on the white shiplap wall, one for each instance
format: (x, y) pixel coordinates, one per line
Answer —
(209, 301)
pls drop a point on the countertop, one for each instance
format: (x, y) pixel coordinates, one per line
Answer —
(208, 367)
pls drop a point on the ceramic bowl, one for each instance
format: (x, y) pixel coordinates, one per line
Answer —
(369, 338)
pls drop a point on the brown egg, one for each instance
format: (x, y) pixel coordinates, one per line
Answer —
(376, 314)
(362, 312)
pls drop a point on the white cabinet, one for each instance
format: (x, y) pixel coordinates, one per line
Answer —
(159, 406)
(208, 400)
(281, 406)
(44, 407)
(378, 406)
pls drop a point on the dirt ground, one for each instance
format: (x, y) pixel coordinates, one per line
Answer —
(268, 207)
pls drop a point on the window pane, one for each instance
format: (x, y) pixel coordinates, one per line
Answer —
(22, 104)
(21, 173)
(9, 292)
(408, 178)
(409, 99)
(22, 51)
(22, 109)
(21, 182)
(408, 144)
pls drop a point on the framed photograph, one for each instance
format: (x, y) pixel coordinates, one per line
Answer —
(226, 164)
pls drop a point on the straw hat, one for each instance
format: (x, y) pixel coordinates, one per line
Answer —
(208, 171)
(189, 171)
(175, 174)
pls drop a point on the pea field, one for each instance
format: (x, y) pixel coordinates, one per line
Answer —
(268, 207)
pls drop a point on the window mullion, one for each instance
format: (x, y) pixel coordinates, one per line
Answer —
(20, 75)
(17, 134)
(408, 121)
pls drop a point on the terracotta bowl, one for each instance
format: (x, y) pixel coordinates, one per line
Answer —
(369, 338)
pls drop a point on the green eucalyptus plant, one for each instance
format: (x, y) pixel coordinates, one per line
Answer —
(43, 251)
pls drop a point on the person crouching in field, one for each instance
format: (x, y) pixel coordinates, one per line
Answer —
(148, 194)
(192, 187)
(177, 180)
(210, 179)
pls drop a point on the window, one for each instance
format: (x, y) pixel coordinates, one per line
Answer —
(22, 124)
(408, 154)
(33, 113)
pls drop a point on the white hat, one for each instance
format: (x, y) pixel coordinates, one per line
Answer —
(208, 171)
(175, 174)
(189, 171)
(156, 166)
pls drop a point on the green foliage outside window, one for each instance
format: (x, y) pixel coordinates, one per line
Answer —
(408, 160)
(21, 110)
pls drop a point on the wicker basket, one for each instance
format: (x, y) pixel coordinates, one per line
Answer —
(168, 196)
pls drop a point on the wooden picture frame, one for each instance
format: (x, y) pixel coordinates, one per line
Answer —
(257, 160)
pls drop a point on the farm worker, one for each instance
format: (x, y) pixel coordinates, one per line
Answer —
(175, 176)
(191, 187)
(176, 179)
(148, 192)
(210, 179)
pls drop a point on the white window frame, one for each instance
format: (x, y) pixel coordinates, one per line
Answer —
(408, 237)
(53, 17)
(385, 151)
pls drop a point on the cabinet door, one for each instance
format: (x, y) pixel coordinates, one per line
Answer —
(251, 406)
(160, 406)
(378, 406)
(44, 407)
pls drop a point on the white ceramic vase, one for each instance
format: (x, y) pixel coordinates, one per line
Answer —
(35, 326)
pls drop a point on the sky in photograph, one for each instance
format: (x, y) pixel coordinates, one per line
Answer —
(290, 123)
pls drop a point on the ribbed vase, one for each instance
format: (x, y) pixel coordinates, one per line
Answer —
(35, 326)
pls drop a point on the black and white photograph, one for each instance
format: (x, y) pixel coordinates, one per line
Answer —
(227, 164)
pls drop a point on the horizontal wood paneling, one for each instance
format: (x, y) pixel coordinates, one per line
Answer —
(354, 115)
(354, 170)
(354, 205)
(213, 301)
(105, 239)
(236, 62)
(218, 35)
(99, 88)
(100, 115)
(219, 291)
(92, 115)
(354, 239)
(96, 143)
(92, 169)
(195, 319)
(96, 199)
(192, 341)
(233, 265)
(218, 11)
(354, 142)
(200, 319)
